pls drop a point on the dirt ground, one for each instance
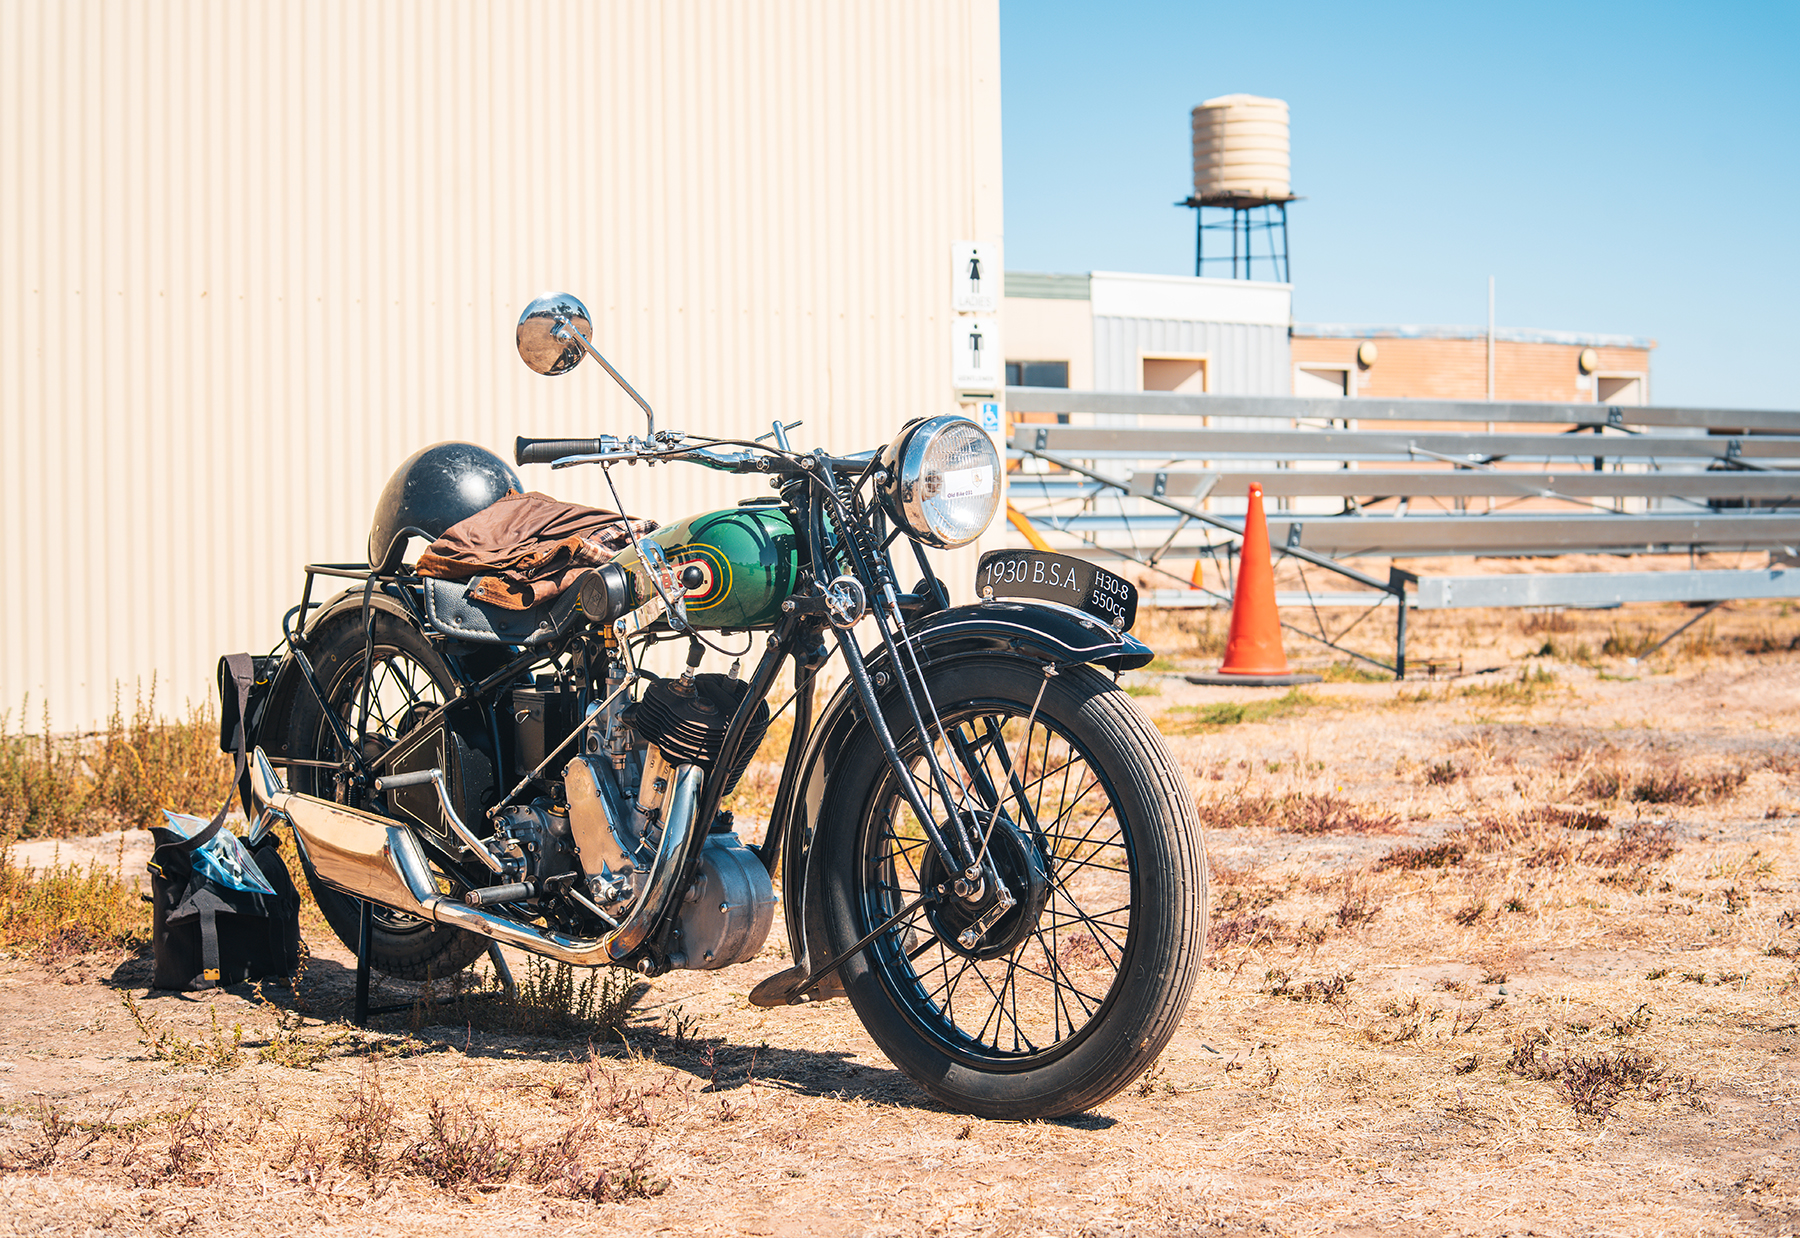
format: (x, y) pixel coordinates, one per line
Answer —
(1508, 953)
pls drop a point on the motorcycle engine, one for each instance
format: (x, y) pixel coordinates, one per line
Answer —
(687, 721)
(727, 911)
(538, 835)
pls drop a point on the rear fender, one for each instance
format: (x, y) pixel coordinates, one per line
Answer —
(1032, 631)
(268, 725)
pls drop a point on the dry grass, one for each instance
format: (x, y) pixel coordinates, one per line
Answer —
(63, 910)
(1199, 719)
(1481, 1001)
(53, 786)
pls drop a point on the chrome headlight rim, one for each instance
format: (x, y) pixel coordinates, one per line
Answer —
(906, 491)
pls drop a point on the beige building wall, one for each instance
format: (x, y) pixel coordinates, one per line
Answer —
(252, 255)
(1041, 329)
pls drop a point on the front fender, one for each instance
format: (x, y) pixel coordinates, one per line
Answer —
(1043, 631)
(1039, 631)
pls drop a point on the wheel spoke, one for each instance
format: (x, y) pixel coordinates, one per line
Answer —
(1055, 802)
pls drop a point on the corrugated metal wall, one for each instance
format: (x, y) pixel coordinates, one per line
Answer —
(1246, 359)
(253, 255)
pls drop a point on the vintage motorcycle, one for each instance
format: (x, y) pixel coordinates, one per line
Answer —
(980, 840)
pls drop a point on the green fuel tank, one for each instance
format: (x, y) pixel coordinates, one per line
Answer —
(748, 554)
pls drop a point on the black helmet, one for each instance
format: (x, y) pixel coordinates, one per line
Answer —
(436, 487)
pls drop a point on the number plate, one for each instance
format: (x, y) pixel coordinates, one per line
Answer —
(1059, 578)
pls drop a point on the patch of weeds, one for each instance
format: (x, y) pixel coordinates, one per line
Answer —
(1631, 1024)
(1667, 783)
(1470, 912)
(1514, 904)
(1568, 818)
(461, 1150)
(1251, 930)
(1620, 643)
(1353, 672)
(1656, 973)
(1332, 990)
(1528, 688)
(1593, 1085)
(1200, 719)
(1236, 891)
(1357, 908)
(1639, 843)
(683, 1028)
(1296, 813)
(1143, 689)
(1568, 651)
(1412, 859)
(1786, 924)
(1694, 977)
(366, 1122)
(1466, 1065)
(1442, 774)
(64, 910)
(1547, 621)
(287, 1047)
(55, 786)
(550, 1001)
(214, 1051)
(1409, 1020)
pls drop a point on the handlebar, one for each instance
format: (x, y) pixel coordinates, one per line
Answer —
(550, 450)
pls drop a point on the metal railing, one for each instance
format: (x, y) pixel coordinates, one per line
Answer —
(1149, 477)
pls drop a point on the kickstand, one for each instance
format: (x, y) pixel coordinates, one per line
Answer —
(502, 971)
(365, 925)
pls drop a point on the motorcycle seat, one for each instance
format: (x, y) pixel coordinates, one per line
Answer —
(450, 610)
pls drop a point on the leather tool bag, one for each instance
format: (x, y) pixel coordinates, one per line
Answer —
(222, 913)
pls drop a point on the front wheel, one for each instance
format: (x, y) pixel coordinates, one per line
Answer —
(1052, 1004)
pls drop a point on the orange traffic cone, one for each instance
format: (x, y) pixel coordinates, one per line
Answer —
(1197, 581)
(1253, 652)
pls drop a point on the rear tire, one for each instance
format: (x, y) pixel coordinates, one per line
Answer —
(1069, 995)
(408, 678)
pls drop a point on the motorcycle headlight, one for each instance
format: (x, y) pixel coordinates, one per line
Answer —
(944, 480)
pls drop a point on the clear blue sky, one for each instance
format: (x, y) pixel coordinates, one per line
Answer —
(1618, 168)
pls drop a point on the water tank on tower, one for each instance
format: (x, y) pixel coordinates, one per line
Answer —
(1241, 168)
(1241, 149)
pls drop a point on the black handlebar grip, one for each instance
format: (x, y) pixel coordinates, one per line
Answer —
(550, 450)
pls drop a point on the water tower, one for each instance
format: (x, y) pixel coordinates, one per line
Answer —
(1241, 184)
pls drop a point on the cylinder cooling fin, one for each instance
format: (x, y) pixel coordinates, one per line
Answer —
(689, 723)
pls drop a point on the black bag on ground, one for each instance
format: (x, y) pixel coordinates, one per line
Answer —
(207, 930)
(206, 933)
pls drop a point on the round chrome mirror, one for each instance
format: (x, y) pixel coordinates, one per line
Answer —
(545, 341)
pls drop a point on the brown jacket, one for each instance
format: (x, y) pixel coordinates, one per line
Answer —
(527, 548)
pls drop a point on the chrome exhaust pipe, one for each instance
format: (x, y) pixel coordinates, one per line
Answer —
(371, 858)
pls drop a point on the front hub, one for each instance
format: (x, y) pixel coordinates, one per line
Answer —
(1021, 871)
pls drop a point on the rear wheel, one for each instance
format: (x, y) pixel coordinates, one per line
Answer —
(1053, 1003)
(407, 680)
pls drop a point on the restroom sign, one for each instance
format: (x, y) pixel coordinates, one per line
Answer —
(975, 277)
(975, 354)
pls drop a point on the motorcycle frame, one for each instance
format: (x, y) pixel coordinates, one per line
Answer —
(835, 528)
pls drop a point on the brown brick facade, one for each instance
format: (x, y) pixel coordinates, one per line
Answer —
(1456, 369)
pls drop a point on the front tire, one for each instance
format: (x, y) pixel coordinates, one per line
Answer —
(1072, 992)
(407, 678)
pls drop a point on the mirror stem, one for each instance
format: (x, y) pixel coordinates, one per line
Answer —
(565, 325)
